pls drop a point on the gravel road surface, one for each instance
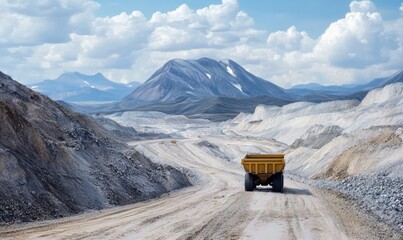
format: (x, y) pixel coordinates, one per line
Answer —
(217, 207)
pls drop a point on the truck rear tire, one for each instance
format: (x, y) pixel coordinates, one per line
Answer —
(249, 186)
(278, 182)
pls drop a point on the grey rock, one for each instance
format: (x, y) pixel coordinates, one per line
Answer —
(377, 194)
(55, 162)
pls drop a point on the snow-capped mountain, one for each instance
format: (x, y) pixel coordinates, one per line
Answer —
(204, 78)
(77, 87)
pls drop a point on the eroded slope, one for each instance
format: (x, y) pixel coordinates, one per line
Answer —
(54, 162)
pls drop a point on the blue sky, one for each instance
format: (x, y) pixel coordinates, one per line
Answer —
(287, 42)
(313, 16)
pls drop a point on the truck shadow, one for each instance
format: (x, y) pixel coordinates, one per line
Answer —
(297, 191)
(286, 190)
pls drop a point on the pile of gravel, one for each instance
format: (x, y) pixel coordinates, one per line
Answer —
(377, 194)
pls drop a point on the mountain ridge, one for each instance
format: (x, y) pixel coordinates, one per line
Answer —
(179, 79)
(78, 87)
(347, 89)
(217, 87)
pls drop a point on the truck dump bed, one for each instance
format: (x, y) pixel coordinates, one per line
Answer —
(263, 163)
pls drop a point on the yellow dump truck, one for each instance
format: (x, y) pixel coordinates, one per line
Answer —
(264, 169)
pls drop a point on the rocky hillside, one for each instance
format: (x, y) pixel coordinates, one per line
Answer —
(54, 162)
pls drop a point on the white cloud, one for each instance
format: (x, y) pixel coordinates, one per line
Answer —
(182, 13)
(56, 36)
(218, 16)
(290, 40)
(38, 22)
(46, 38)
(358, 40)
(170, 38)
(362, 6)
(358, 47)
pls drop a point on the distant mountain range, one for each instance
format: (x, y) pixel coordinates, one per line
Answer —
(345, 90)
(219, 90)
(205, 87)
(191, 80)
(77, 87)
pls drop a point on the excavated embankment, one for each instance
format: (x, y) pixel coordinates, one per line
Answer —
(55, 163)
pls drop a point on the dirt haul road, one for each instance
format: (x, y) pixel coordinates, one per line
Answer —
(217, 208)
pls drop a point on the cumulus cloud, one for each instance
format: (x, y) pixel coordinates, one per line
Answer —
(358, 40)
(218, 16)
(46, 38)
(290, 40)
(211, 26)
(360, 46)
(117, 42)
(182, 13)
(169, 38)
(38, 22)
(362, 6)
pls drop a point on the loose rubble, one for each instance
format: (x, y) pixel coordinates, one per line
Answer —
(379, 195)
